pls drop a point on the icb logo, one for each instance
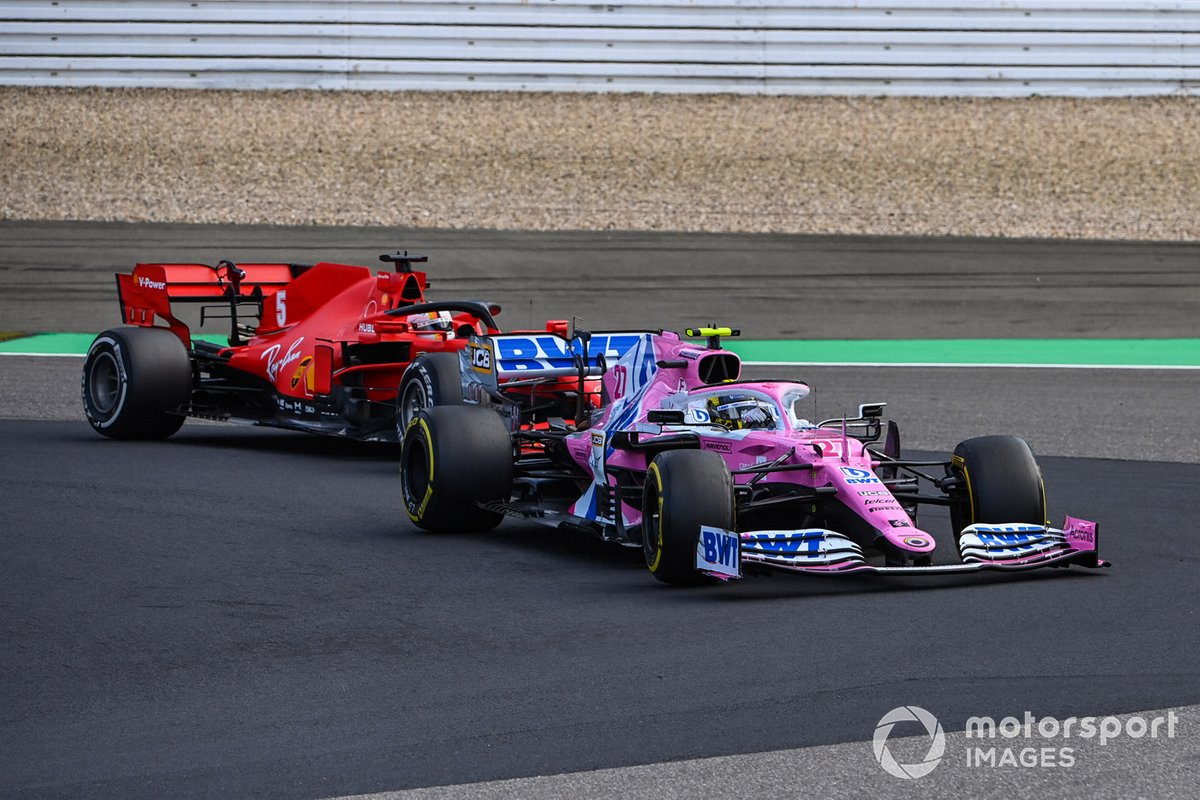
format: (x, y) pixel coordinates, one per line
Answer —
(856, 476)
(481, 358)
(937, 742)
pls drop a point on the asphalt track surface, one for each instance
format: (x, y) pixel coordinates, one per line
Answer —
(58, 277)
(244, 612)
(247, 613)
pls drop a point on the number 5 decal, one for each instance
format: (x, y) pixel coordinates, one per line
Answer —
(281, 308)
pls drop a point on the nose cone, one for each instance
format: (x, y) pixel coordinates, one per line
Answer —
(911, 540)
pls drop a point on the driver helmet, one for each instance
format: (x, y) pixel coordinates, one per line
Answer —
(432, 322)
(741, 411)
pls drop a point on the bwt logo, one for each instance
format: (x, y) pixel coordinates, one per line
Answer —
(1011, 541)
(719, 549)
(786, 544)
(937, 742)
(1013, 529)
(857, 476)
(537, 352)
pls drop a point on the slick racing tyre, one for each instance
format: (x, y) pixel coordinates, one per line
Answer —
(1000, 481)
(684, 490)
(453, 458)
(432, 379)
(136, 383)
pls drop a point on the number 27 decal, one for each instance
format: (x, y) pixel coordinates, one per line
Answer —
(620, 381)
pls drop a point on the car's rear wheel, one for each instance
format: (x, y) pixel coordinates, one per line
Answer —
(432, 379)
(136, 383)
(453, 459)
(684, 490)
(1000, 481)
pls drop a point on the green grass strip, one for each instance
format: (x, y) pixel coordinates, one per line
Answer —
(959, 352)
(68, 344)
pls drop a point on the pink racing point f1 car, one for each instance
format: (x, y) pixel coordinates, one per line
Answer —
(715, 477)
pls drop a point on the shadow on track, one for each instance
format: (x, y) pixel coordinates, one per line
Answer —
(788, 587)
(292, 443)
(575, 546)
(578, 547)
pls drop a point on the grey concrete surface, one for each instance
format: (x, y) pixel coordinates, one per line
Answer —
(1120, 768)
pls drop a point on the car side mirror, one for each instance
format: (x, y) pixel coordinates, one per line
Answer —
(665, 416)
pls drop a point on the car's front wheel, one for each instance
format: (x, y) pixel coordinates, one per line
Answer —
(999, 481)
(453, 459)
(684, 490)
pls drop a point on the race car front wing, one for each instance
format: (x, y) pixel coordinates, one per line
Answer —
(1004, 547)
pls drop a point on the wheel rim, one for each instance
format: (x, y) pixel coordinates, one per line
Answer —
(411, 403)
(104, 382)
(417, 469)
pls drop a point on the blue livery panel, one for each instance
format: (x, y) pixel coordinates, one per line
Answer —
(547, 355)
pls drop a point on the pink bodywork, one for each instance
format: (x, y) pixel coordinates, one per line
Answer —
(637, 385)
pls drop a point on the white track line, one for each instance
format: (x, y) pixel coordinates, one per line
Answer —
(46, 355)
(906, 364)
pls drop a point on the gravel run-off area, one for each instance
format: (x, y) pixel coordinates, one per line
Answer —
(1040, 167)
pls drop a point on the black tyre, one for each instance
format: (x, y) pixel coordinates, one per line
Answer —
(432, 379)
(684, 490)
(136, 383)
(1001, 482)
(453, 458)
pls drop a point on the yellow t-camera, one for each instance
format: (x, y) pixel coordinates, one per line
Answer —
(701, 332)
(713, 334)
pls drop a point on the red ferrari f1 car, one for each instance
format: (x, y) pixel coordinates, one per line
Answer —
(326, 348)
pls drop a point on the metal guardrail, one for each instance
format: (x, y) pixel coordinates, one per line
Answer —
(913, 47)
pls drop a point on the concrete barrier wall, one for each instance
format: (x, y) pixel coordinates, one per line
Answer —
(864, 47)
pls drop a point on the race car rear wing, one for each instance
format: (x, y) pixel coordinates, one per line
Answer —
(148, 292)
(530, 357)
(549, 354)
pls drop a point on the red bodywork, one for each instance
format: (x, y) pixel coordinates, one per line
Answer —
(327, 345)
